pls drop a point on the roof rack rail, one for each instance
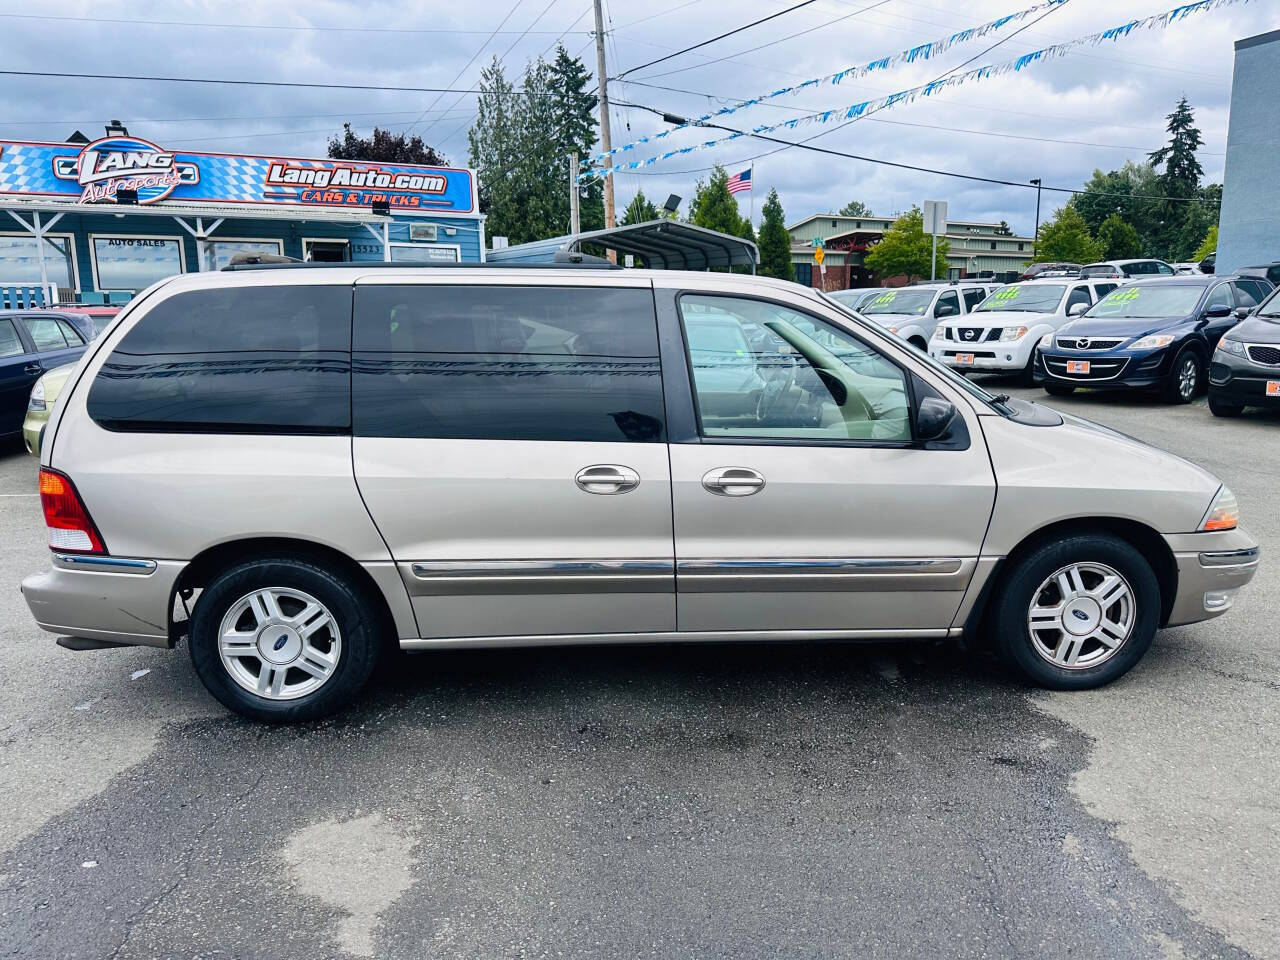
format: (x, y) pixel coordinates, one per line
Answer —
(586, 264)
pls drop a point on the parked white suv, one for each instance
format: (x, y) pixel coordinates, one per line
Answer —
(912, 312)
(1002, 332)
(291, 470)
(1128, 269)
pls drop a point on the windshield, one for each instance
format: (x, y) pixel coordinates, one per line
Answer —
(1041, 298)
(953, 378)
(853, 297)
(1164, 300)
(914, 302)
(1270, 307)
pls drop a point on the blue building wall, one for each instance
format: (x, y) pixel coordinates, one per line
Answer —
(1249, 224)
(363, 245)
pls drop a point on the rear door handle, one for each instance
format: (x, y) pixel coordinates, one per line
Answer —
(607, 478)
(732, 481)
(33, 368)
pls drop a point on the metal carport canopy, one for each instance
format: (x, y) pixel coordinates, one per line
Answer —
(664, 244)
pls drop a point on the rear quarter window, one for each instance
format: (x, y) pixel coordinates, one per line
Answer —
(233, 360)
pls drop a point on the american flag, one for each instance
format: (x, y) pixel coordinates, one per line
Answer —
(740, 181)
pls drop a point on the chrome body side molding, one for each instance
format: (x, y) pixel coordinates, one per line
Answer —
(722, 636)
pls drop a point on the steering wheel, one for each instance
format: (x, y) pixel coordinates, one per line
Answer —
(776, 386)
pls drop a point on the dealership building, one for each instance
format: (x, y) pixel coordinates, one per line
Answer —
(95, 222)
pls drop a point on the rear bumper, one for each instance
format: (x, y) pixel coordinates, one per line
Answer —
(1212, 567)
(113, 599)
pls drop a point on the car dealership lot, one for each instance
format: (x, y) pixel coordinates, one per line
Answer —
(808, 800)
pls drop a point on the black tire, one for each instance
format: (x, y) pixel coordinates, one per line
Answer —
(1055, 389)
(1173, 390)
(353, 611)
(1027, 376)
(1220, 408)
(1021, 583)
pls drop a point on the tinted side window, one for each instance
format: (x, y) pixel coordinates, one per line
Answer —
(1244, 294)
(1220, 296)
(10, 343)
(1104, 288)
(948, 299)
(70, 334)
(972, 298)
(233, 360)
(507, 363)
(1078, 295)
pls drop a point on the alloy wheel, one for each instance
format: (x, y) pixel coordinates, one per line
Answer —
(1188, 375)
(279, 643)
(1081, 615)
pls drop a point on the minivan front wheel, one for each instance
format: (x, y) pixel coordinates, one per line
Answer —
(1078, 612)
(283, 640)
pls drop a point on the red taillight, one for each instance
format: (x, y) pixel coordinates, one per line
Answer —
(70, 526)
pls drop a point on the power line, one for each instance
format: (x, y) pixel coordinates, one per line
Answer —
(740, 53)
(249, 26)
(730, 33)
(468, 64)
(83, 121)
(228, 82)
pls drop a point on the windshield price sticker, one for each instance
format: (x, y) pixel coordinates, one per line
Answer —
(1008, 293)
(887, 297)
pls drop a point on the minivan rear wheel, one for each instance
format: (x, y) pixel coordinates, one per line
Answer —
(1077, 612)
(283, 640)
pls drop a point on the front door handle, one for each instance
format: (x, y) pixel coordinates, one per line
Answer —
(606, 478)
(733, 481)
(33, 368)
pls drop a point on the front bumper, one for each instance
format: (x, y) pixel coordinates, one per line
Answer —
(1002, 355)
(1242, 383)
(1109, 370)
(109, 598)
(1212, 567)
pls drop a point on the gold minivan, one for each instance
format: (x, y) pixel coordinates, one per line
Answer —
(293, 468)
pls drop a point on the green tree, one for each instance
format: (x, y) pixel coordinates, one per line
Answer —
(1180, 222)
(1208, 246)
(905, 249)
(639, 210)
(1131, 192)
(1003, 229)
(856, 208)
(383, 146)
(713, 207)
(775, 242)
(1119, 239)
(575, 111)
(1066, 238)
(492, 142)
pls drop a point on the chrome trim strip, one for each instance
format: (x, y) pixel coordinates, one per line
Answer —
(726, 636)
(114, 564)
(824, 574)
(1246, 557)
(508, 577)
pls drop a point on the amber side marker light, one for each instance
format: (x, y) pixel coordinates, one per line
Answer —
(71, 529)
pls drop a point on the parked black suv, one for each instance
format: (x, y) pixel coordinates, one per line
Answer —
(1246, 366)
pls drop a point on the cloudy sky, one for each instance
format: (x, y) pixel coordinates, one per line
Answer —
(1058, 120)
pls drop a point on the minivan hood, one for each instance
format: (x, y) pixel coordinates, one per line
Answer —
(1132, 327)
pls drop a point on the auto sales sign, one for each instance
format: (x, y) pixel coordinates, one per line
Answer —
(96, 172)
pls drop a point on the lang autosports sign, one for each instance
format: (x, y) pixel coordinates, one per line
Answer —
(96, 172)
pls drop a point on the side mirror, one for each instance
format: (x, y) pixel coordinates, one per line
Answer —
(1218, 310)
(945, 310)
(933, 418)
(1076, 309)
(1243, 312)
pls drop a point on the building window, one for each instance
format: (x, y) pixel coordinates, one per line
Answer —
(20, 261)
(1021, 247)
(216, 254)
(804, 274)
(833, 223)
(132, 263)
(425, 253)
(993, 244)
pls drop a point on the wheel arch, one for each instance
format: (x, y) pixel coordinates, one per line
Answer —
(1145, 539)
(210, 562)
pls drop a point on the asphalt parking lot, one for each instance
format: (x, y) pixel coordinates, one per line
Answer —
(809, 800)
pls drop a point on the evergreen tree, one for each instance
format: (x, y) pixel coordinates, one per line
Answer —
(905, 250)
(856, 208)
(575, 111)
(1119, 239)
(1066, 238)
(1003, 229)
(775, 242)
(639, 210)
(492, 145)
(1180, 222)
(713, 206)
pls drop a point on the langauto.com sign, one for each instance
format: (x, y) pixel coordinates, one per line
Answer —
(96, 172)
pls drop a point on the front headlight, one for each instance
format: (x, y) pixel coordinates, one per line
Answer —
(1046, 341)
(937, 333)
(1013, 333)
(1223, 513)
(1152, 342)
(1227, 345)
(37, 396)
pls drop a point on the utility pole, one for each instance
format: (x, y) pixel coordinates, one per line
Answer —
(575, 224)
(606, 141)
(1035, 237)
